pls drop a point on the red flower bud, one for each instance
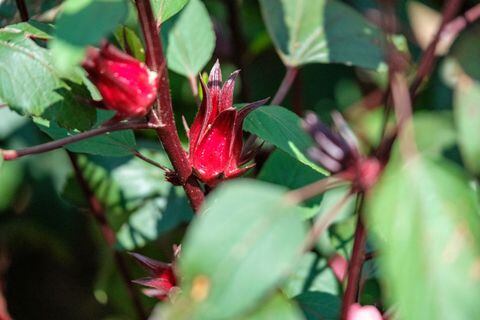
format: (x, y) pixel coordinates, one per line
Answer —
(163, 280)
(126, 84)
(216, 134)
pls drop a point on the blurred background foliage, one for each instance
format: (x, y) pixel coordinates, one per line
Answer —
(53, 261)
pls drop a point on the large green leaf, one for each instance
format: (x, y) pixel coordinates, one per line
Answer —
(30, 85)
(82, 23)
(165, 9)
(467, 118)
(324, 31)
(424, 216)
(239, 248)
(283, 170)
(276, 308)
(28, 82)
(312, 274)
(466, 50)
(281, 128)
(190, 39)
(140, 204)
(33, 28)
(319, 305)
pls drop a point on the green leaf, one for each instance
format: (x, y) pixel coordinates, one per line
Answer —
(276, 308)
(466, 50)
(281, 128)
(113, 144)
(321, 31)
(467, 118)
(434, 132)
(319, 305)
(190, 39)
(239, 248)
(312, 274)
(140, 204)
(33, 28)
(165, 9)
(30, 85)
(28, 82)
(424, 216)
(283, 170)
(82, 23)
(130, 42)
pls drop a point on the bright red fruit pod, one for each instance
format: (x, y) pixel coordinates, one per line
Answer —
(216, 136)
(126, 84)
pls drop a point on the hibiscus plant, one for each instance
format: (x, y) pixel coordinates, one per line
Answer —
(348, 189)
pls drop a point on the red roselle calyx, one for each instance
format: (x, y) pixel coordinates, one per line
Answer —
(337, 151)
(163, 280)
(126, 84)
(216, 144)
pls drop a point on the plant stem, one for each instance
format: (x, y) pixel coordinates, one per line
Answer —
(323, 222)
(355, 264)
(149, 161)
(22, 8)
(239, 46)
(56, 144)
(453, 28)
(311, 190)
(285, 86)
(163, 112)
(297, 95)
(98, 212)
(428, 59)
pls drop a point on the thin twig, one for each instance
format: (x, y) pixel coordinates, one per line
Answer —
(154, 163)
(297, 100)
(454, 27)
(22, 8)
(285, 86)
(56, 144)
(355, 264)
(98, 212)
(314, 189)
(163, 112)
(428, 58)
(323, 222)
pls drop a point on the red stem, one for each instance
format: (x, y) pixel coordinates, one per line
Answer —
(56, 144)
(354, 268)
(98, 212)
(163, 113)
(428, 59)
(297, 95)
(285, 86)
(22, 8)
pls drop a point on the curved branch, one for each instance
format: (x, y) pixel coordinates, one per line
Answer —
(56, 144)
